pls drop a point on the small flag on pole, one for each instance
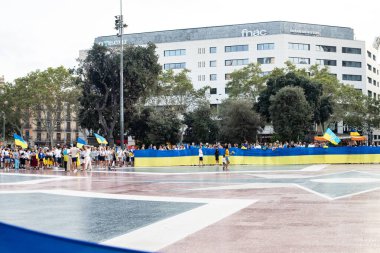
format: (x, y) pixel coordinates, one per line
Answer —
(100, 139)
(331, 137)
(19, 141)
(81, 142)
(353, 132)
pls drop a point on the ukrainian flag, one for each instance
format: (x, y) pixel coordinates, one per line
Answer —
(81, 142)
(353, 132)
(19, 141)
(100, 139)
(331, 137)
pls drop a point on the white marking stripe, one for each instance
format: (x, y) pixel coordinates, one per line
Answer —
(316, 167)
(49, 178)
(244, 186)
(166, 232)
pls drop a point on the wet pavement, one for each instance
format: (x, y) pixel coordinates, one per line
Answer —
(321, 208)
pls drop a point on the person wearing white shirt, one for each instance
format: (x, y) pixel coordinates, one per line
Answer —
(87, 158)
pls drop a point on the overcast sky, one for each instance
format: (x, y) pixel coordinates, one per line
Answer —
(48, 33)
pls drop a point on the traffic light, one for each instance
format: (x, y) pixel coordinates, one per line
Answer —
(117, 22)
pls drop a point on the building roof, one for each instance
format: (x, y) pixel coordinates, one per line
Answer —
(230, 31)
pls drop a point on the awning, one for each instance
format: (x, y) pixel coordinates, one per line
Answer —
(358, 138)
(319, 138)
(353, 138)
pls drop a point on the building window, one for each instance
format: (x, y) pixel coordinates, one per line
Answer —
(226, 90)
(326, 62)
(180, 65)
(212, 77)
(227, 76)
(176, 52)
(68, 126)
(213, 91)
(201, 64)
(201, 50)
(370, 80)
(374, 57)
(264, 73)
(351, 77)
(323, 48)
(369, 93)
(68, 137)
(266, 60)
(299, 46)
(212, 63)
(58, 136)
(235, 48)
(236, 62)
(201, 78)
(351, 50)
(369, 67)
(352, 64)
(299, 60)
(265, 46)
(374, 70)
(212, 50)
(369, 54)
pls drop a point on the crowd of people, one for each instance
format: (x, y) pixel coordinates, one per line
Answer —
(70, 158)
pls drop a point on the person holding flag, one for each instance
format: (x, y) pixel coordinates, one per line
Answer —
(19, 141)
(100, 139)
(81, 142)
(331, 137)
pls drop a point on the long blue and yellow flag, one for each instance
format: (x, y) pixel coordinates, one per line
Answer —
(331, 137)
(19, 141)
(81, 142)
(100, 139)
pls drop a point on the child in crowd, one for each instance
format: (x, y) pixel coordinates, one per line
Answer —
(224, 161)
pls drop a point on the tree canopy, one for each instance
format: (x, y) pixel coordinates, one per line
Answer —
(238, 121)
(290, 112)
(100, 73)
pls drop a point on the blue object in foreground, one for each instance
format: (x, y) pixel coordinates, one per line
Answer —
(19, 240)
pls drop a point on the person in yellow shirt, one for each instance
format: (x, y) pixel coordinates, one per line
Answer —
(227, 155)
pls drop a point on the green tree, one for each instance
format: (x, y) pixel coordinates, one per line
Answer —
(43, 96)
(201, 127)
(313, 93)
(175, 90)
(139, 125)
(247, 82)
(100, 104)
(164, 126)
(238, 121)
(290, 113)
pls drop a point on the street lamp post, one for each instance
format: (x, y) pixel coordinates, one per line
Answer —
(119, 25)
(5, 103)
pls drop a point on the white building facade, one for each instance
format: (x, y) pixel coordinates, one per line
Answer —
(212, 53)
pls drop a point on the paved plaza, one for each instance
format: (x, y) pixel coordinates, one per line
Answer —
(292, 208)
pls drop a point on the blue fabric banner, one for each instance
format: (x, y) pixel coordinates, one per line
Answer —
(19, 240)
(259, 152)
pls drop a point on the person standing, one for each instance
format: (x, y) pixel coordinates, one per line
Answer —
(16, 157)
(87, 158)
(58, 157)
(227, 156)
(74, 151)
(200, 155)
(216, 155)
